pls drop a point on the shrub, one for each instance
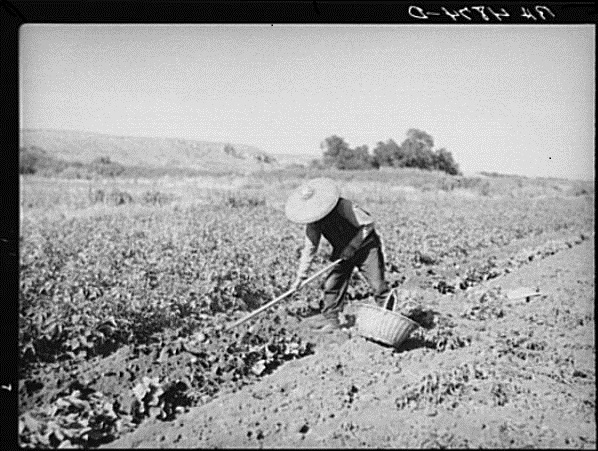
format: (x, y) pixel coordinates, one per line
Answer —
(485, 189)
(265, 158)
(35, 160)
(29, 158)
(156, 198)
(318, 164)
(118, 197)
(230, 150)
(580, 189)
(102, 160)
(239, 200)
(105, 167)
(295, 166)
(76, 171)
(96, 195)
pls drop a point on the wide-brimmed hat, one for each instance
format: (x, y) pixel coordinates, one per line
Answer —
(312, 200)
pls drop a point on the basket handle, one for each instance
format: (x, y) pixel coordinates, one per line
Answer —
(387, 303)
(391, 304)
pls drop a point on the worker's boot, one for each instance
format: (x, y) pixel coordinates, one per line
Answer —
(325, 323)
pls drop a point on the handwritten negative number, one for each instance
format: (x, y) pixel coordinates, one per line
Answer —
(419, 13)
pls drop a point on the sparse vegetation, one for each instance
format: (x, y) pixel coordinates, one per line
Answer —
(141, 156)
(35, 160)
(230, 150)
(239, 200)
(104, 167)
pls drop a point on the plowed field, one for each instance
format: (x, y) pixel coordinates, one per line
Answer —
(526, 379)
(122, 316)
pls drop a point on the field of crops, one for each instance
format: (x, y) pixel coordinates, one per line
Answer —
(124, 295)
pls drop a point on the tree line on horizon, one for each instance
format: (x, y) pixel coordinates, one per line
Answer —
(416, 151)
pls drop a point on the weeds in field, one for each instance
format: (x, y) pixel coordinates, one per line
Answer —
(441, 333)
(84, 418)
(492, 268)
(476, 184)
(114, 197)
(524, 347)
(487, 306)
(158, 198)
(239, 200)
(438, 388)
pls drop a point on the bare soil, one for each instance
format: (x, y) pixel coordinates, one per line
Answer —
(509, 373)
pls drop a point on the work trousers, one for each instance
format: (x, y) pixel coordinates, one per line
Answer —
(369, 259)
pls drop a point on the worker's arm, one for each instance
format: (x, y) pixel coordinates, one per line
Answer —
(310, 247)
(359, 218)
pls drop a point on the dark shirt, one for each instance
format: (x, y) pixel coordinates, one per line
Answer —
(361, 221)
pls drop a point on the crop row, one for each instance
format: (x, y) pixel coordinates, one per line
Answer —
(84, 417)
(447, 387)
(140, 274)
(159, 280)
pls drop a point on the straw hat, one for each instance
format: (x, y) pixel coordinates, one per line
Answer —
(312, 201)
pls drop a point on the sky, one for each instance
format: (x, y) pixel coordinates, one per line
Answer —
(515, 99)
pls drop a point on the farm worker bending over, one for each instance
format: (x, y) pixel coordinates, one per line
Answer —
(350, 231)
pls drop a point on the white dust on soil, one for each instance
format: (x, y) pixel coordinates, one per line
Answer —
(527, 379)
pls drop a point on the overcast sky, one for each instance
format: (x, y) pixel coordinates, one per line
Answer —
(512, 99)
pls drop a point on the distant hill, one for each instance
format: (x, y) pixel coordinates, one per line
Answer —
(85, 147)
(286, 159)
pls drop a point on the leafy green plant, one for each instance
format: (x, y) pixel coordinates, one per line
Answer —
(163, 281)
(438, 388)
(239, 200)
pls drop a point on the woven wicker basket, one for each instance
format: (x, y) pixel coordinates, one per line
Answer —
(383, 324)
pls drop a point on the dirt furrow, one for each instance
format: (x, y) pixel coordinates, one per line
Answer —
(523, 376)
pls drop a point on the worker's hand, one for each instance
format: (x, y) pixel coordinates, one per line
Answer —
(348, 252)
